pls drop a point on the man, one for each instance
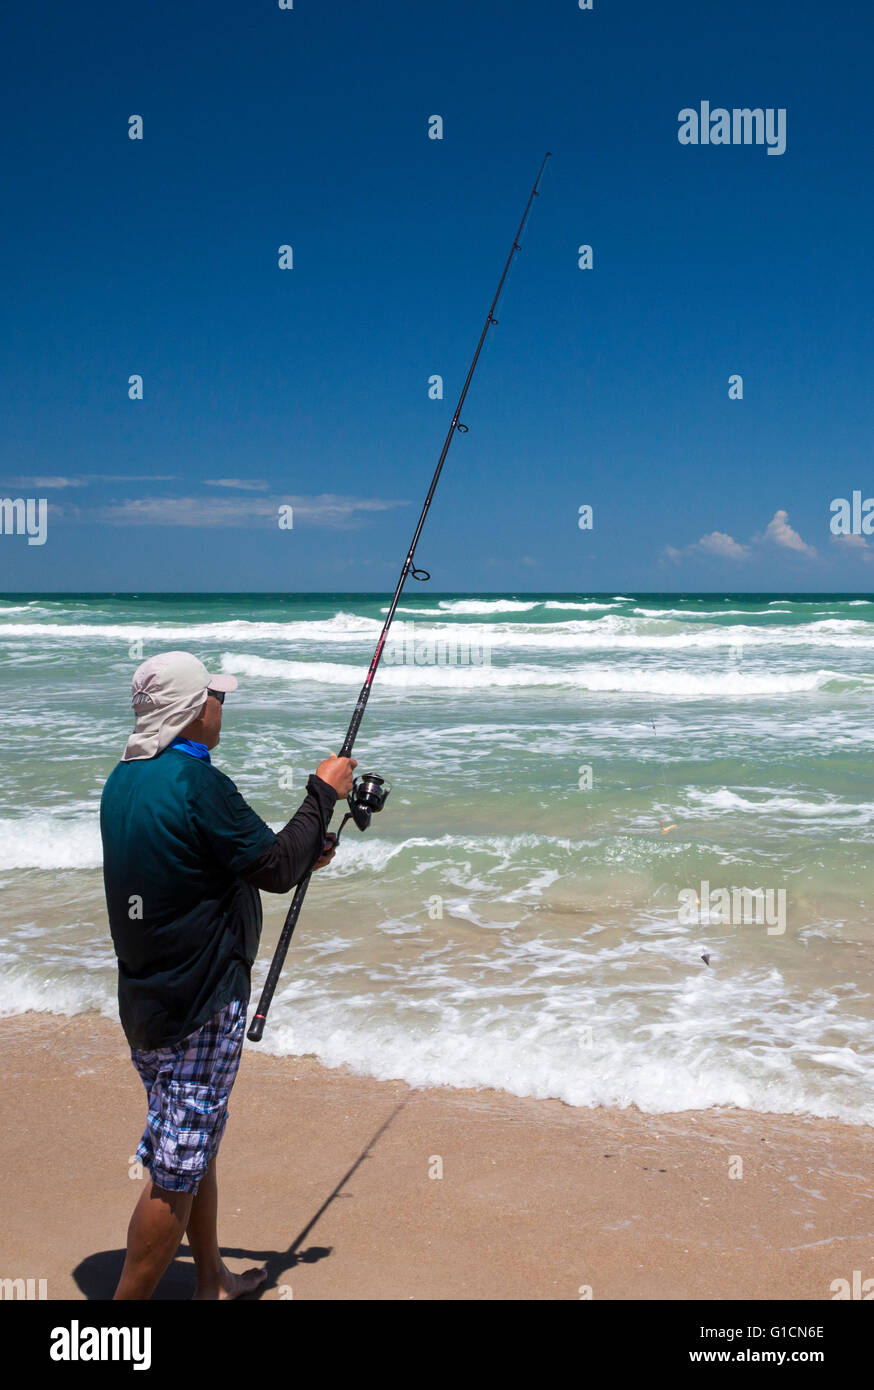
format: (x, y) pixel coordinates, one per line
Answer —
(183, 859)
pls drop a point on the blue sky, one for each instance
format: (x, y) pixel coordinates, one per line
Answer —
(606, 387)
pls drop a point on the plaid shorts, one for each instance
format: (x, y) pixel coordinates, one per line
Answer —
(188, 1086)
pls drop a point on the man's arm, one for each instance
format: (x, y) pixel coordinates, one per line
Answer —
(297, 844)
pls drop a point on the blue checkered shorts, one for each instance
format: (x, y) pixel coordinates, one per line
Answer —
(188, 1086)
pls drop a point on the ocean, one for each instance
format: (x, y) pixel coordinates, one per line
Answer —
(576, 779)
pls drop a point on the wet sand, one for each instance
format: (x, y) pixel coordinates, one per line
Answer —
(327, 1178)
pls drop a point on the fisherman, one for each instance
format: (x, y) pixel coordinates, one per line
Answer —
(183, 858)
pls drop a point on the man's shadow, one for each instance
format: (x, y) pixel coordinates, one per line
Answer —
(98, 1274)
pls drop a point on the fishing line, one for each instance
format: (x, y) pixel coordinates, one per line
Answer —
(682, 859)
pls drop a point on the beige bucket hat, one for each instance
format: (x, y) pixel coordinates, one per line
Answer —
(169, 691)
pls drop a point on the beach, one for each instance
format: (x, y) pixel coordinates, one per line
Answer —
(515, 999)
(459, 398)
(537, 1199)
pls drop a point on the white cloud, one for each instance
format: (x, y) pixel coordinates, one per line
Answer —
(241, 484)
(88, 479)
(49, 482)
(780, 532)
(857, 544)
(339, 513)
(718, 543)
(725, 547)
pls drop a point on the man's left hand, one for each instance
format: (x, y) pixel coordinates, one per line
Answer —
(329, 849)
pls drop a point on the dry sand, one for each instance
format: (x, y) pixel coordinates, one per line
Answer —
(537, 1199)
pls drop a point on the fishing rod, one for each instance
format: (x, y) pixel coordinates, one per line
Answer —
(369, 792)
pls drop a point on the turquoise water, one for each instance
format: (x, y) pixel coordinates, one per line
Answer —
(563, 767)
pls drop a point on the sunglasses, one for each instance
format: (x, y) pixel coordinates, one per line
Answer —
(217, 695)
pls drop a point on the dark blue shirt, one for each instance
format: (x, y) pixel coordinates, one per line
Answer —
(178, 841)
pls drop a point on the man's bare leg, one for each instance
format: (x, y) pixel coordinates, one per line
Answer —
(214, 1279)
(153, 1237)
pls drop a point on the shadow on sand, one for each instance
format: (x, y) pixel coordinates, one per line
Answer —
(98, 1274)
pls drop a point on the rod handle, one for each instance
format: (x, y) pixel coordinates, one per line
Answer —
(256, 1028)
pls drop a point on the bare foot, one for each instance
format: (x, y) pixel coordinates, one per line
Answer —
(231, 1285)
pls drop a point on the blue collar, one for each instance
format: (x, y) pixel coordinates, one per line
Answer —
(188, 745)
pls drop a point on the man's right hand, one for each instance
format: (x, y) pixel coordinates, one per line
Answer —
(337, 772)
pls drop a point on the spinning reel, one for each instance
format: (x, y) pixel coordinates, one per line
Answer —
(369, 794)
